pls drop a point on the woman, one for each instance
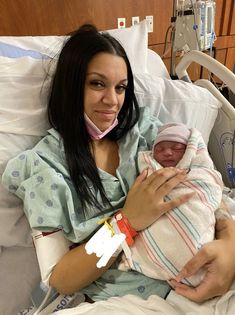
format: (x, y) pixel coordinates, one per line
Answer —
(80, 172)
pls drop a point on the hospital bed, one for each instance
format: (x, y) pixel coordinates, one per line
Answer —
(24, 64)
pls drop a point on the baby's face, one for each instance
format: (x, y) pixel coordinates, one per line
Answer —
(168, 153)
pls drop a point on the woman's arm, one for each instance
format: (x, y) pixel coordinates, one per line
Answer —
(76, 270)
(143, 206)
(218, 259)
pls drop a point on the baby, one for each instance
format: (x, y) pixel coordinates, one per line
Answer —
(161, 250)
(170, 144)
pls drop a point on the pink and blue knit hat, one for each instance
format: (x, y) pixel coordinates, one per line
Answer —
(177, 132)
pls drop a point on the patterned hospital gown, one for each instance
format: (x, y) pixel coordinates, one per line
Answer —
(40, 178)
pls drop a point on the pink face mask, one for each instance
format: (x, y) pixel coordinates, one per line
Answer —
(95, 132)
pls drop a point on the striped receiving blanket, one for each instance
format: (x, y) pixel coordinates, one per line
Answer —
(161, 250)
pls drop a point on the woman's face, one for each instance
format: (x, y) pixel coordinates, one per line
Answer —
(105, 86)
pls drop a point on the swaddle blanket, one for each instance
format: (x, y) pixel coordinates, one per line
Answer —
(161, 250)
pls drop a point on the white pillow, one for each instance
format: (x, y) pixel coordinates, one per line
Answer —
(19, 273)
(179, 101)
(14, 227)
(156, 66)
(135, 41)
(24, 63)
(23, 93)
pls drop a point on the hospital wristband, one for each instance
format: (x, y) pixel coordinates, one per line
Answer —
(114, 231)
(125, 228)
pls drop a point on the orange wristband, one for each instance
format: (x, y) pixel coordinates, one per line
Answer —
(125, 228)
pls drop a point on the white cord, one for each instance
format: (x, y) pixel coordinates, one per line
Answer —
(41, 306)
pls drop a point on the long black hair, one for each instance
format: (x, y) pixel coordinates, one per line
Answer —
(66, 108)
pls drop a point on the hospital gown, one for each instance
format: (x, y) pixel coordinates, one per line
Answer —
(40, 178)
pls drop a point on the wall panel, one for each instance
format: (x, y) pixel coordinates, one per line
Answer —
(45, 17)
(232, 19)
(230, 58)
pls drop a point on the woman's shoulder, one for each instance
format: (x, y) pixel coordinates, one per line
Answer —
(147, 119)
(148, 125)
(49, 142)
(48, 148)
(45, 156)
(48, 152)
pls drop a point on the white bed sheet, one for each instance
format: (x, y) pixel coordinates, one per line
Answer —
(173, 305)
(19, 273)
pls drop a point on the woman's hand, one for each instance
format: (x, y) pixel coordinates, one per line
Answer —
(218, 259)
(145, 200)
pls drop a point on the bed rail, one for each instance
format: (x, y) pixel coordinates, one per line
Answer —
(222, 138)
(214, 66)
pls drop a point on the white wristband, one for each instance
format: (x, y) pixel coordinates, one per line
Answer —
(105, 243)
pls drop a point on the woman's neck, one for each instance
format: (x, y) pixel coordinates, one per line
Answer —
(105, 153)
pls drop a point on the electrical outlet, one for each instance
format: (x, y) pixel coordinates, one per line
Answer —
(135, 20)
(149, 19)
(121, 22)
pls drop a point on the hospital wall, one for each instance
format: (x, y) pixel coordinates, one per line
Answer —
(59, 17)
